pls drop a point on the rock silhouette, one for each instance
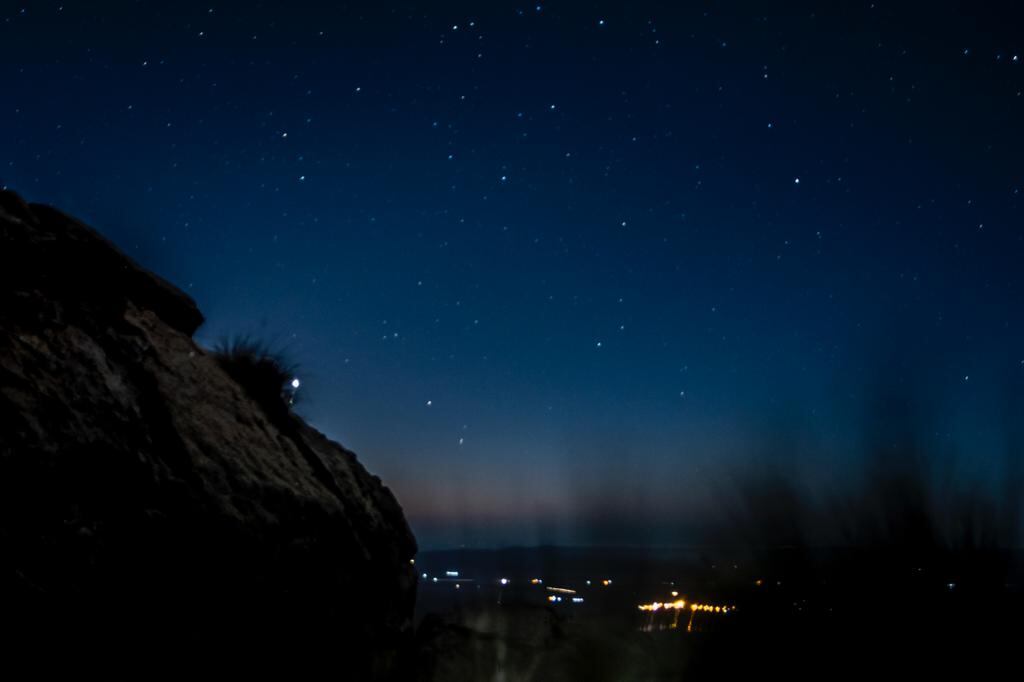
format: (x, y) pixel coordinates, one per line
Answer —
(148, 502)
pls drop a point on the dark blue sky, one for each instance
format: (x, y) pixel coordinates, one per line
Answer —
(557, 270)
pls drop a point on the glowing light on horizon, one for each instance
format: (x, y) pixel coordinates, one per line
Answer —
(680, 604)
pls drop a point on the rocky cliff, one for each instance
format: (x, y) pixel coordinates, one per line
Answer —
(147, 500)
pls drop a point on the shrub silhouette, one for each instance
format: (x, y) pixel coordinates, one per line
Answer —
(265, 375)
(912, 567)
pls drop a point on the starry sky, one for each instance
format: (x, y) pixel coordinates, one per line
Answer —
(555, 271)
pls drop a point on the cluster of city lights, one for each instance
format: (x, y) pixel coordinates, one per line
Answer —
(680, 604)
(454, 578)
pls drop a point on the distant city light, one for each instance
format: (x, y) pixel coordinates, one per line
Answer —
(536, 581)
(452, 574)
(296, 383)
(503, 581)
(563, 590)
(577, 600)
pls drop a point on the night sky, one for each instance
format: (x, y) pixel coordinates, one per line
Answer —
(556, 271)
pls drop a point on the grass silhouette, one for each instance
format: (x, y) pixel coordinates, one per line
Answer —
(266, 374)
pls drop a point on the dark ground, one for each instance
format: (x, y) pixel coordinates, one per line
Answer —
(800, 614)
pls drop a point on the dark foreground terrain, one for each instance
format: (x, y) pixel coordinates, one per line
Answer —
(795, 613)
(153, 506)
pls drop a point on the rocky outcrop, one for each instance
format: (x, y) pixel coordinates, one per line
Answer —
(147, 500)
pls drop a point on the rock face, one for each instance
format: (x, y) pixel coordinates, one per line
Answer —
(147, 501)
